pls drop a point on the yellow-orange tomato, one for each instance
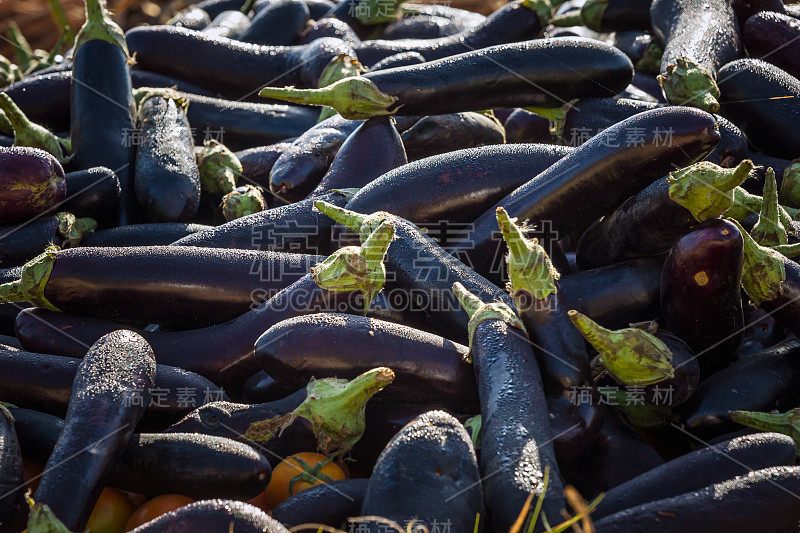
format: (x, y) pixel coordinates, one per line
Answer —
(110, 513)
(155, 508)
(299, 472)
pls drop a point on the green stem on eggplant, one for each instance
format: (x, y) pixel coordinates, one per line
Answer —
(651, 59)
(769, 230)
(473, 424)
(219, 168)
(22, 48)
(341, 67)
(707, 190)
(364, 225)
(248, 5)
(787, 423)
(33, 279)
(556, 115)
(42, 520)
(529, 267)
(73, 229)
(357, 267)
(27, 133)
(763, 272)
(243, 201)
(632, 356)
(335, 409)
(9, 73)
(790, 186)
(100, 27)
(745, 204)
(355, 98)
(687, 83)
(568, 20)
(478, 311)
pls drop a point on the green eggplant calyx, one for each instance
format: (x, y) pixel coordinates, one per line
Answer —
(243, 201)
(788, 250)
(355, 98)
(707, 190)
(100, 27)
(529, 266)
(41, 519)
(365, 225)
(33, 280)
(567, 20)
(787, 423)
(479, 311)
(556, 115)
(357, 267)
(687, 83)
(632, 356)
(790, 186)
(73, 229)
(219, 168)
(142, 94)
(650, 63)
(341, 67)
(769, 230)
(745, 204)
(763, 271)
(27, 133)
(543, 8)
(474, 424)
(335, 409)
(592, 13)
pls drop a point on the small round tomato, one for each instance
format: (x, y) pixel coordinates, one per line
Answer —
(299, 472)
(155, 508)
(110, 513)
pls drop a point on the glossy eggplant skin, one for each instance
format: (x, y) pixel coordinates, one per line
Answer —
(31, 182)
(737, 505)
(456, 186)
(564, 365)
(597, 176)
(44, 382)
(774, 37)
(620, 15)
(102, 117)
(422, 27)
(705, 32)
(176, 287)
(355, 164)
(634, 43)
(257, 162)
(222, 353)
(213, 515)
(749, 89)
(427, 472)
(440, 134)
(44, 98)
(516, 439)
(700, 292)
(231, 68)
(260, 388)
(617, 455)
(617, 295)
(760, 382)
(143, 78)
(166, 178)
(156, 234)
(746, 9)
(93, 193)
(278, 24)
(12, 485)
(511, 23)
(330, 504)
(19, 244)
(100, 415)
(532, 74)
(429, 369)
(523, 126)
(329, 27)
(296, 228)
(646, 224)
(403, 59)
(302, 165)
(242, 125)
(697, 469)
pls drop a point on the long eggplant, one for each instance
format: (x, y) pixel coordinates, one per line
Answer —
(31, 182)
(99, 423)
(93, 193)
(606, 16)
(19, 244)
(44, 98)
(330, 504)
(597, 176)
(177, 287)
(12, 503)
(101, 103)
(158, 234)
(403, 59)
(429, 369)
(231, 68)
(531, 73)
(698, 39)
(759, 98)
(44, 382)
(773, 37)
(278, 24)
(440, 134)
(257, 162)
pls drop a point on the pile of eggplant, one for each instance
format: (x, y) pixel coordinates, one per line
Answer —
(380, 266)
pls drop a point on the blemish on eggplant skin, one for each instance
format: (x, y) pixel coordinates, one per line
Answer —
(701, 278)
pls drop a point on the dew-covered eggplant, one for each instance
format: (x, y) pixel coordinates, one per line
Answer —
(278, 24)
(214, 515)
(440, 134)
(329, 503)
(12, 503)
(19, 244)
(156, 234)
(31, 182)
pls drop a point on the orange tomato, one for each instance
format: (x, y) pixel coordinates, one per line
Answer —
(110, 513)
(299, 472)
(155, 508)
